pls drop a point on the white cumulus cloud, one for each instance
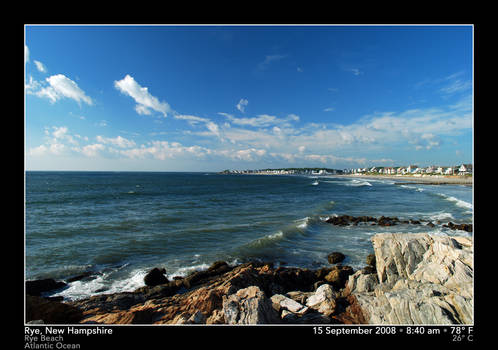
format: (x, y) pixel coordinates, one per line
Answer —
(146, 103)
(40, 66)
(241, 106)
(59, 87)
(119, 141)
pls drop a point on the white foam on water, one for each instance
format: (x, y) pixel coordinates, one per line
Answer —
(449, 233)
(358, 183)
(277, 235)
(458, 202)
(185, 271)
(136, 280)
(303, 223)
(325, 218)
(441, 216)
(101, 285)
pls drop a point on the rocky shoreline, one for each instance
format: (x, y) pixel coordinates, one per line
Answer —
(410, 279)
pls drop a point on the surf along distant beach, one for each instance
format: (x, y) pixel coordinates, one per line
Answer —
(423, 180)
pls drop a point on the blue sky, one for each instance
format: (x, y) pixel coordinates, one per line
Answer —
(208, 98)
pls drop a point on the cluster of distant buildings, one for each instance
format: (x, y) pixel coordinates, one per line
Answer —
(463, 169)
(287, 171)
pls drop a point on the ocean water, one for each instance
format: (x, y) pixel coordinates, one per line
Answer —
(116, 226)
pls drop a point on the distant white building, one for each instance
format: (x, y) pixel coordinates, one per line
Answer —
(465, 169)
(440, 170)
(411, 168)
(430, 169)
(449, 171)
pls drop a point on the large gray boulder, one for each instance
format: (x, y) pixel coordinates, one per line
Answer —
(421, 279)
(249, 306)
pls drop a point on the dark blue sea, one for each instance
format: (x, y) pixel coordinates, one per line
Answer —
(115, 226)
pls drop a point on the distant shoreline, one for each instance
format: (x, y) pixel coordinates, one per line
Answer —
(423, 180)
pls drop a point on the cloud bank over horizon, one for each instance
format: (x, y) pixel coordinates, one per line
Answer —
(282, 127)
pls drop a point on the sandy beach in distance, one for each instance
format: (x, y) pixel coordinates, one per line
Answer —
(428, 180)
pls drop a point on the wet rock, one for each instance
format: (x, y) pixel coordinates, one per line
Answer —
(155, 277)
(371, 260)
(342, 220)
(218, 266)
(199, 277)
(335, 257)
(79, 277)
(463, 227)
(37, 287)
(387, 221)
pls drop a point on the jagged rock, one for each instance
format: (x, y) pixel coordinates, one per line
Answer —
(157, 305)
(360, 282)
(249, 306)
(281, 302)
(217, 317)
(218, 266)
(155, 277)
(323, 300)
(423, 279)
(299, 296)
(338, 276)
(198, 277)
(187, 318)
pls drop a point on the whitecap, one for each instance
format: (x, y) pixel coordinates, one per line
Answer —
(458, 202)
(83, 289)
(186, 270)
(358, 183)
(303, 223)
(441, 216)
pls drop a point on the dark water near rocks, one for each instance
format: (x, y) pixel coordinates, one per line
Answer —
(118, 225)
